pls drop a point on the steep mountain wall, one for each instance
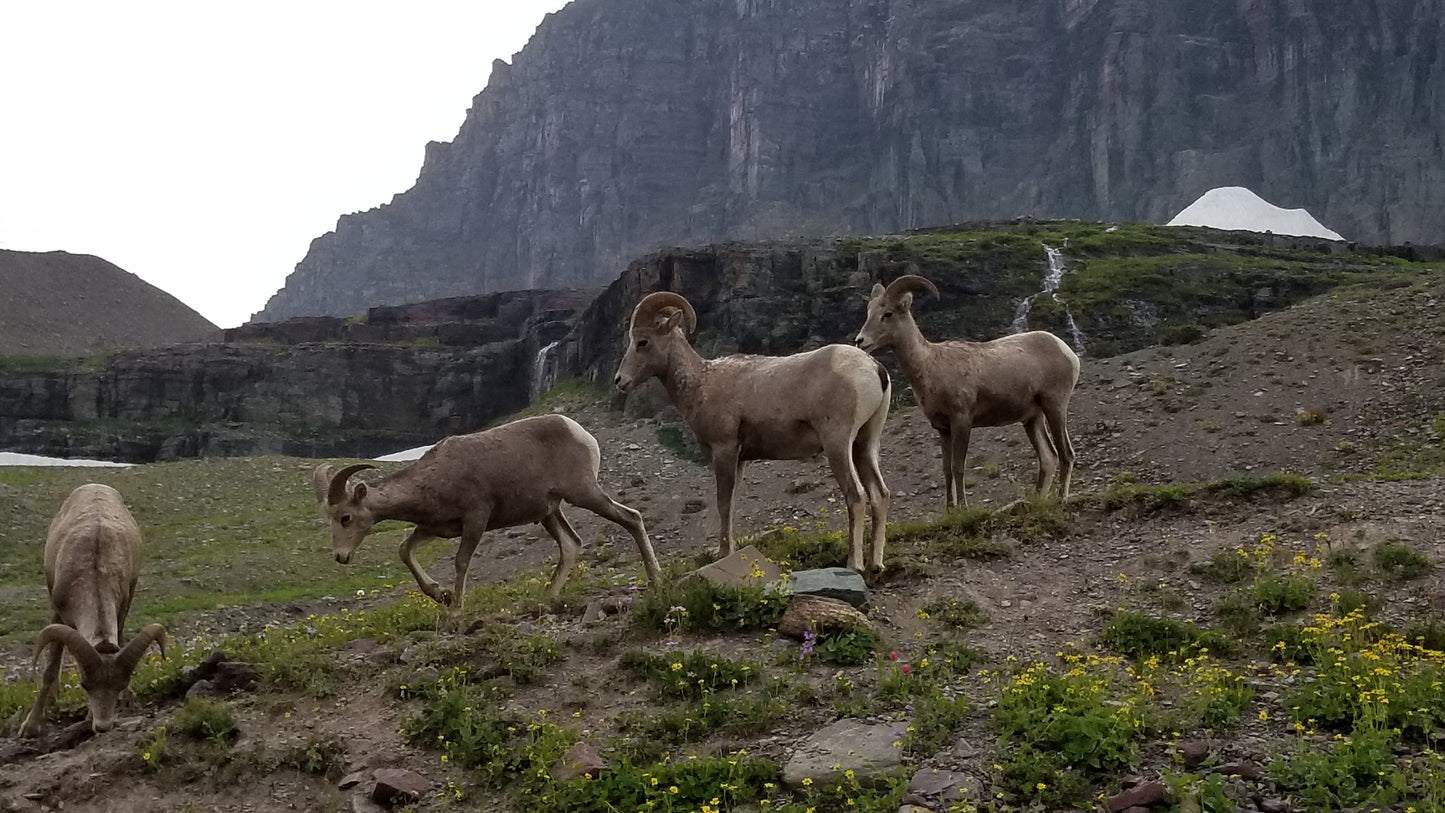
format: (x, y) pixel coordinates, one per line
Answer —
(628, 125)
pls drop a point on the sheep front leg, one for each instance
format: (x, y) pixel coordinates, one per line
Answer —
(424, 580)
(725, 472)
(958, 489)
(49, 684)
(472, 530)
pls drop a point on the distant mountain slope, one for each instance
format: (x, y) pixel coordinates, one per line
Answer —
(626, 126)
(59, 304)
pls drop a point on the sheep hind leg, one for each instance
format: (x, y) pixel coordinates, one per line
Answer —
(841, 462)
(49, 687)
(1058, 419)
(945, 446)
(607, 508)
(1038, 434)
(865, 460)
(569, 544)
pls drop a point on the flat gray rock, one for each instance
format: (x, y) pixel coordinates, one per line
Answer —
(868, 749)
(745, 568)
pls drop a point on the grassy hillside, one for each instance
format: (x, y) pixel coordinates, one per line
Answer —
(62, 304)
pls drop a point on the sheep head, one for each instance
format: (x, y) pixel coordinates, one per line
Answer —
(890, 312)
(351, 519)
(659, 321)
(103, 675)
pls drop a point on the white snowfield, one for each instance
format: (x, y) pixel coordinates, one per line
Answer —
(403, 456)
(18, 459)
(1238, 209)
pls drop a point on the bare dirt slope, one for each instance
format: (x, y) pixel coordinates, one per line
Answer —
(1369, 363)
(60, 304)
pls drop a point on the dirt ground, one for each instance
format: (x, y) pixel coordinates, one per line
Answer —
(1371, 365)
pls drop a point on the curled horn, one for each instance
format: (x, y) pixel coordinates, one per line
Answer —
(126, 661)
(654, 302)
(337, 492)
(85, 655)
(908, 283)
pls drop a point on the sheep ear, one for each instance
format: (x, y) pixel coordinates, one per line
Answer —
(906, 301)
(670, 318)
(876, 292)
(359, 492)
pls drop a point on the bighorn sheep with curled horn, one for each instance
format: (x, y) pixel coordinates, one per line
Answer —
(466, 485)
(92, 559)
(1024, 378)
(832, 400)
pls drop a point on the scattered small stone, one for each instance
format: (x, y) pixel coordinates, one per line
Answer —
(581, 760)
(1144, 794)
(1244, 770)
(693, 506)
(360, 803)
(351, 780)
(1274, 806)
(1194, 752)
(398, 786)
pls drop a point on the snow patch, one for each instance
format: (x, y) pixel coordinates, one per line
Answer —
(1235, 208)
(18, 459)
(403, 456)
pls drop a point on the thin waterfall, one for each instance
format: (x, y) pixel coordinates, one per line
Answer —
(1052, 278)
(544, 372)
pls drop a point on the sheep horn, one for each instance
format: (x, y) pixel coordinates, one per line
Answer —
(126, 661)
(909, 283)
(337, 492)
(656, 301)
(85, 655)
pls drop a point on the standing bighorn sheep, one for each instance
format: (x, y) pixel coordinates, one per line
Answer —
(740, 408)
(92, 559)
(1025, 378)
(466, 485)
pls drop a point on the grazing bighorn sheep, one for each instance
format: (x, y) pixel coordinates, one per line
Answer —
(1025, 378)
(834, 399)
(92, 559)
(466, 485)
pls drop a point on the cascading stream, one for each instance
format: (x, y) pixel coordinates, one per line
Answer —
(542, 371)
(1052, 278)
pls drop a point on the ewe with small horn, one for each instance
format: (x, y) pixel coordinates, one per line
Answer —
(92, 560)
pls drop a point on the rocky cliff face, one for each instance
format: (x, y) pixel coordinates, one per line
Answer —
(397, 378)
(407, 375)
(626, 125)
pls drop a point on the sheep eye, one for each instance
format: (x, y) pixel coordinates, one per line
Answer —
(887, 314)
(641, 343)
(345, 519)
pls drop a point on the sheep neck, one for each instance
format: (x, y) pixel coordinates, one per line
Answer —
(912, 351)
(683, 378)
(388, 499)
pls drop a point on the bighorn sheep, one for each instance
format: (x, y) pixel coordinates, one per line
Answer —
(92, 559)
(834, 399)
(517, 473)
(1025, 378)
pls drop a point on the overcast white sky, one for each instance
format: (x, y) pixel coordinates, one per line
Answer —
(203, 146)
